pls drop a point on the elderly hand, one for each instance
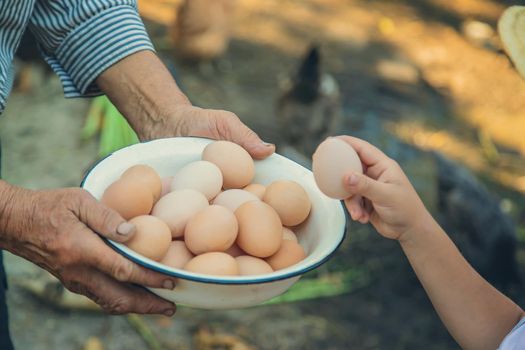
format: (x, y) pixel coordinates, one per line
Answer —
(144, 91)
(188, 120)
(56, 230)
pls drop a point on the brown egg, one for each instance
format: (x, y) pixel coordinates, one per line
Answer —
(128, 197)
(233, 199)
(289, 200)
(166, 185)
(202, 176)
(235, 162)
(152, 237)
(234, 251)
(177, 207)
(177, 255)
(213, 229)
(289, 254)
(214, 263)
(289, 234)
(260, 229)
(332, 160)
(249, 265)
(146, 175)
(256, 189)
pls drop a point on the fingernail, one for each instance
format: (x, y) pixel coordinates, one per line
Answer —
(168, 284)
(169, 312)
(266, 144)
(125, 229)
(353, 180)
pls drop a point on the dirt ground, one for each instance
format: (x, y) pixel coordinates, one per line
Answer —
(448, 91)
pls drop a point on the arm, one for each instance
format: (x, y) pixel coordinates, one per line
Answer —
(104, 47)
(475, 313)
(144, 91)
(56, 229)
(60, 230)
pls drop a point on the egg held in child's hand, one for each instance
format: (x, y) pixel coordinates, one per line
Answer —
(177, 255)
(235, 162)
(250, 265)
(129, 198)
(290, 253)
(201, 176)
(213, 229)
(234, 198)
(256, 189)
(177, 207)
(260, 229)
(146, 175)
(213, 263)
(332, 161)
(290, 201)
(152, 237)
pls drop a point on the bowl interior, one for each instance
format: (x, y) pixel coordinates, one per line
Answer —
(320, 234)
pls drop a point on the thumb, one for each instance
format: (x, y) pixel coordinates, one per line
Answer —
(248, 139)
(365, 186)
(104, 221)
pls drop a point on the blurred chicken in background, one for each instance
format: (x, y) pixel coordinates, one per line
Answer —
(201, 31)
(309, 107)
(28, 61)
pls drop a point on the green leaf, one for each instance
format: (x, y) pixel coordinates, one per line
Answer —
(327, 286)
(116, 133)
(93, 121)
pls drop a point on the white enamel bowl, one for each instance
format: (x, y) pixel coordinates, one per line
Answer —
(320, 235)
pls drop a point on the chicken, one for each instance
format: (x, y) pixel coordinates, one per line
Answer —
(201, 31)
(309, 107)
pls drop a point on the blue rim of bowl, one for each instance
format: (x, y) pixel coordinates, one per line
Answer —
(213, 280)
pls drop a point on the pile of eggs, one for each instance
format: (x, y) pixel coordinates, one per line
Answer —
(209, 217)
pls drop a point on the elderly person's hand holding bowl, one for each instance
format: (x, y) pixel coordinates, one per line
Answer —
(56, 229)
(105, 49)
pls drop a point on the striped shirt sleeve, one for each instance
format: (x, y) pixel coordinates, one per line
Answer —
(14, 16)
(82, 38)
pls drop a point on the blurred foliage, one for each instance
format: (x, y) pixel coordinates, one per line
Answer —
(105, 120)
(332, 284)
(145, 332)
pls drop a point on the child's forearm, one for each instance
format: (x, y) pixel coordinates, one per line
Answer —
(476, 314)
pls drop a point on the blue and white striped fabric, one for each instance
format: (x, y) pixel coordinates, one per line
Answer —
(78, 38)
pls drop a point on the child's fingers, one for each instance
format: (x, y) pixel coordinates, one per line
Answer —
(355, 207)
(376, 170)
(359, 184)
(366, 207)
(364, 219)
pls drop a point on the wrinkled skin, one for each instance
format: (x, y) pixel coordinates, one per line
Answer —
(188, 120)
(56, 230)
(59, 229)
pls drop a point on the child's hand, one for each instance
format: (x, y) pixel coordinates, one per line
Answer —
(383, 195)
